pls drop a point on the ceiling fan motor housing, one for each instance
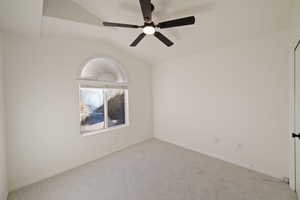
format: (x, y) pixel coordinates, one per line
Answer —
(149, 24)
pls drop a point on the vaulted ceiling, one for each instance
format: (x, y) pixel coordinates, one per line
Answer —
(218, 22)
(21, 17)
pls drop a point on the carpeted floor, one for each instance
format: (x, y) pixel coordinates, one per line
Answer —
(154, 170)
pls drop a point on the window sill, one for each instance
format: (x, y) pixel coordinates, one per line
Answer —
(85, 134)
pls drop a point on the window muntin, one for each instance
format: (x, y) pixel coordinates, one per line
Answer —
(102, 108)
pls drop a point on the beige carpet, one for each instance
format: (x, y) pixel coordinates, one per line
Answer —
(155, 170)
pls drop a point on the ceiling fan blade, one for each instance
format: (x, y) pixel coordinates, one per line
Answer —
(146, 9)
(120, 25)
(163, 39)
(177, 22)
(138, 39)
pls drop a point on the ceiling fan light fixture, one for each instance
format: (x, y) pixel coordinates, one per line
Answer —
(149, 30)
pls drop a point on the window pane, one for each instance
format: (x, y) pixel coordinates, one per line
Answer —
(116, 107)
(91, 109)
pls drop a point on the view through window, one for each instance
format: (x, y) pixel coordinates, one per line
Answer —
(101, 108)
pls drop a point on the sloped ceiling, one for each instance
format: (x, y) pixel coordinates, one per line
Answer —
(218, 22)
(21, 16)
(69, 10)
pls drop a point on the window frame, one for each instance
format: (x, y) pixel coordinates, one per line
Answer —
(105, 86)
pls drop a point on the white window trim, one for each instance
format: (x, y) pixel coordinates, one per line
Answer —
(104, 85)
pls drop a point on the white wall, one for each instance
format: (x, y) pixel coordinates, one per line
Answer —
(42, 104)
(294, 38)
(231, 103)
(3, 174)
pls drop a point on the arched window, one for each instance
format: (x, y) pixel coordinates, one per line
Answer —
(103, 96)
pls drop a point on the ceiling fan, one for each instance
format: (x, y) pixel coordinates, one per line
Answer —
(150, 28)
